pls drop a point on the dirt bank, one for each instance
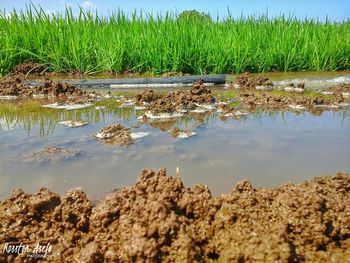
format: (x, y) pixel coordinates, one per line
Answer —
(158, 219)
(13, 86)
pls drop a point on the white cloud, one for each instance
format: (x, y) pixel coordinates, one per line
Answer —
(88, 5)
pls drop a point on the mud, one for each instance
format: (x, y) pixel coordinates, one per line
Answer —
(51, 154)
(13, 86)
(246, 81)
(177, 100)
(115, 134)
(340, 88)
(158, 219)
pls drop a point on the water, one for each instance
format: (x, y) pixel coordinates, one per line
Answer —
(266, 149)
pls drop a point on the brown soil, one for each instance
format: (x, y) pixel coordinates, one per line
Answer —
(147, 96)
(245, 81)
(340, 88)
(174, 74)
(116, 134)
(52, 154)
(177, 100)
(271, 100)
(175, 132)
(13, 86)
(158, 219)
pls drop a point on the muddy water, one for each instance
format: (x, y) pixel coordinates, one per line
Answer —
(267, 149)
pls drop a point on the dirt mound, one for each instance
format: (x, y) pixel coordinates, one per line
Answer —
(246, 81)
(340, 88)
(147, 96)
(30, 68)
(13, 86)
(115, 134)
(177, 100)
(158, 219)
(174, 74)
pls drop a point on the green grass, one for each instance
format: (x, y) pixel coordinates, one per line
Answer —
(156, 44)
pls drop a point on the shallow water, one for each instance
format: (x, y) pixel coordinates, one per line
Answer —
(267, 149)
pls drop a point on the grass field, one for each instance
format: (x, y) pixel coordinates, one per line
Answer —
(92, 44)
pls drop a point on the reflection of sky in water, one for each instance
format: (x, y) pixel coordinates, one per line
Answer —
(267, 150)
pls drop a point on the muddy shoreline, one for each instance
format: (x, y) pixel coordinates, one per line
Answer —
(159, 219)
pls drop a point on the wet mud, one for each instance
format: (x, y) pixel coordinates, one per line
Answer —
(176, 100)
(246, 81)
(159, 219)
(115, 134)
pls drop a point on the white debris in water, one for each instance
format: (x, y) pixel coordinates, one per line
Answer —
(100, 107)
(163, 115)
(327, 106)
(236, 113)
(199, 110)
(206, 106)
(296, 107)
(141, 117)
(8, 97)
(185, 134)
(73, 124)
(293, 89)
(67, 106)
(140, 108)
(343, 104)
(346, 94)
(267, 87)
(327, 92)
(104, 135)
(222, 103)
(236, 86)
(138, 135)
(182, 111)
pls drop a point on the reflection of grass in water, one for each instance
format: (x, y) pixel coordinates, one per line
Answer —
(30, 114)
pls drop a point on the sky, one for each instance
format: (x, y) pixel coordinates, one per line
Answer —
(335, 10)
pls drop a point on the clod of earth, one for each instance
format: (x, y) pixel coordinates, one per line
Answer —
(245, 81)
(158, 219)
(115, 134)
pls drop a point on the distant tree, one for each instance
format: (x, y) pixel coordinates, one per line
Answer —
(194, 15)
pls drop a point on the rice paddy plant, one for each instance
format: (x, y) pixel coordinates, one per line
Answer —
(152, 43)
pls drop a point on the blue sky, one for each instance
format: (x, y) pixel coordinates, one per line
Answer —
(336, 10)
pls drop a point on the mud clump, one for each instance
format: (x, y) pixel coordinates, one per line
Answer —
(158, 219)
(52, 154)
(246, 81)
(115, 134)
(178, 100)
(147, 96)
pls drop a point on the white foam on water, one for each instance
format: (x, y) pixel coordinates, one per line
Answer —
(185, 134)
(163, 115)
(138, 135)
(67, 106)
(296, 107)
(100, 107)
(198, 110)
(103, 135)
(73, 124)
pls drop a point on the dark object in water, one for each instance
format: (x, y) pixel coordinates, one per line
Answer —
(138, 82)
